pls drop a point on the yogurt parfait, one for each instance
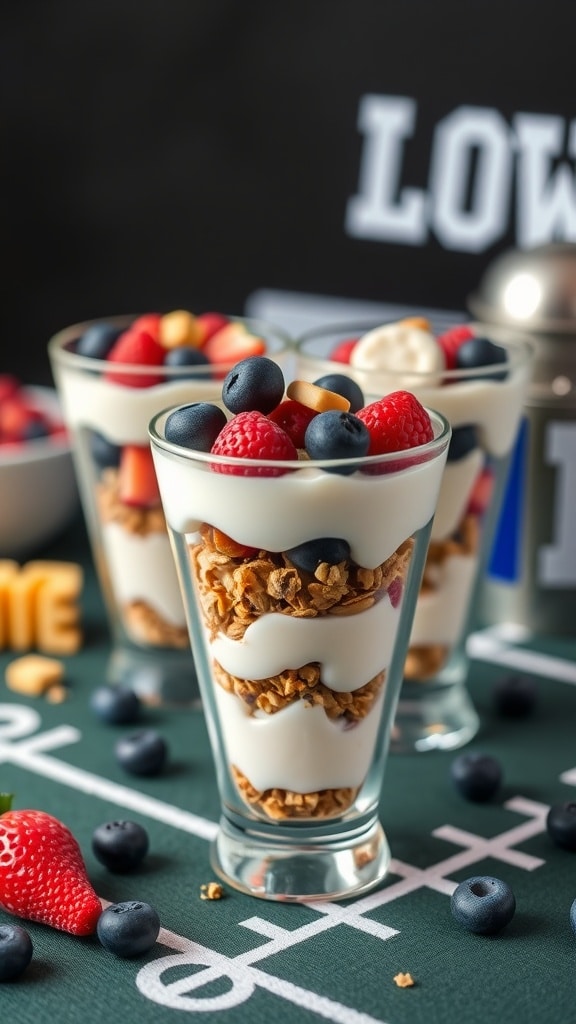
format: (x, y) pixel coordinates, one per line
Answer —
(300, 518)
(112, 377)
(478, 382)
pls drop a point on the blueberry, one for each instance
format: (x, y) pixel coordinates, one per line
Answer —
(464, 440)
(481, 352)
(97, 340)
(36, 429)
(128, 929)
(116, 705)
(337, 435)
(343, 385)
(483, 905)
(561, 824)
(256, 382)
(185, 355)
(120, 845)
(476, 776)
(309, 555)
(515, 696)
(104, 452)
(195, 426)
(15, 951)
(142, 753)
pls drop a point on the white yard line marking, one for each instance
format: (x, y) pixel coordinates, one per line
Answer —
(495, 645)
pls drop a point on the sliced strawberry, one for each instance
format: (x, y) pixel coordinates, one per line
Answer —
(232, 343)
(138, 485)
(135, 348)
(343, 351)
(209, 324)
(148, 322)
(293, 417)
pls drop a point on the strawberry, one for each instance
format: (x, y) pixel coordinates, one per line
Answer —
(251, 435)
(343, 351)
(396, 422)
(232, 343)
(137, 348)
(450, 342)
(293, 417)
(137, 478)
(42, 874)
(149, 323)
(208, 324)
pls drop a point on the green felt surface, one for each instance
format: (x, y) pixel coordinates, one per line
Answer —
(241, 960)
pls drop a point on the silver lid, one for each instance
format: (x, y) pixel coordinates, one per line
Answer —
(532, 289)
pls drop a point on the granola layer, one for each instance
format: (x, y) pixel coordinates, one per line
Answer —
(284, 803)
(145, 626)
(133, 519)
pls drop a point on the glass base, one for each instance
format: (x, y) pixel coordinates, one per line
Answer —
(433, 718)
(157, 676)
(291, 870)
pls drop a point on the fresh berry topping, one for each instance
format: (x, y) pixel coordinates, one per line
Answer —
(194, 358)
(396, 422)
(477, 777)
(115, 705)
(142, 753)
(97, 340)
(195, 426)
(104, 452)
(232, 343)
(128, 929)
(120, 845)
(483, 904)
(42, 874)
(256, 382)
(311, 554)
(251, 435)
(345, 386)
(481, 352)
(343, 351)
(209, 324)
(451, 340)
(515, 696)
(294, 418)
(15, 951)
(135, 348)
(481, 494)
(463, 441)
(137, 481)
(149, 323)
(337, 435)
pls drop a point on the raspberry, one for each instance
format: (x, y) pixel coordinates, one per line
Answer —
(451, 340)
(293, 417)
(396, 422)
(251, 435)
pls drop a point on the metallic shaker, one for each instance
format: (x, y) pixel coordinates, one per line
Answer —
(531, 576)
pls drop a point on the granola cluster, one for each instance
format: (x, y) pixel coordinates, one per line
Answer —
(142, 623)
(426, 660)
(236, 585)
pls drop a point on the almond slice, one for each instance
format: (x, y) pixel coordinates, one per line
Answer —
(315, 397)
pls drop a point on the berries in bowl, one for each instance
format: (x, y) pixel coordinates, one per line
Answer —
(37, 482)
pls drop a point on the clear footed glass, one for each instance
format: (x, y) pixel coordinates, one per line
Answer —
(299, 670)
(107, 408)
(484, 407)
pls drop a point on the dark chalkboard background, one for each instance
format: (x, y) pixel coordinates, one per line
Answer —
(192, 152)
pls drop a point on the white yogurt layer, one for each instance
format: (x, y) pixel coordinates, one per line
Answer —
(457, 485)
(276, 642)
(298, 748)
(142, 569)
(440, 614)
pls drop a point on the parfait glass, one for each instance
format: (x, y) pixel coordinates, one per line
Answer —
(299, 670)
(107, 409)
(484, 407)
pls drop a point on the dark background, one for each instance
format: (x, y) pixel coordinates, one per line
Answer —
(190, 152)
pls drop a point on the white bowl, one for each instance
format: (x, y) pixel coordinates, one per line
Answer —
(38, 493)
